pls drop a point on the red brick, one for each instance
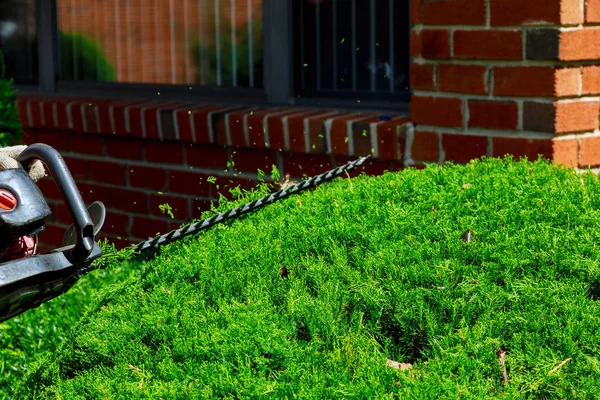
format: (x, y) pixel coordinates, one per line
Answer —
(107, 172)
(147, 177)
(566, 152)
(87, 144)
(249, 160)
(206, 156)
(63, 215)
(338, 134)
(296, 128)
(62, 114)
(499, 45)
(36, 113)
(362, 143)
(463, 148)
(164, 152)
(75, 116)
(89, 116)
(179, 205)
(493, 114)
(49, 189)
(119, 111)
(591, 79)
(454, 12)
(524, 81)
(416, 47)
(29, 136)
(298, 165)
(592, 11)
(425, 146)
(416, 12)
(566, 82)
(103, 110)
(469, 79)
(589, 152)
(78, 167)
(184, 122)
(392, 138)
(316, 133)
(129, 200)
(91, 193)
(422, 76)
(276, 128)
(115, 223)
(128, 148)
(56, 139)
(437, 111)
(201, 123)
(435, 44)
(580, 44)
(236, 127)
(522, 147)
(560, 117)
(577, 116)
(53, 235)
(256, 128)
(49, 122)
(23, 115)
(143, 227)
(188, 182)
(135, 119)
(517, 12)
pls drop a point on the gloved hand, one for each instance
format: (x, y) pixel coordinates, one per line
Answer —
(8, 160)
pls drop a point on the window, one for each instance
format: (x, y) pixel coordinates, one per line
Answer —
(351, 47)
(18, 40)
(205, 42)
(276, 51)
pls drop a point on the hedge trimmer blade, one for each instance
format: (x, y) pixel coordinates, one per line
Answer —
(152, 244)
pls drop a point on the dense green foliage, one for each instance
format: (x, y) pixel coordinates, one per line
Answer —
(375, 268)
(10, 126)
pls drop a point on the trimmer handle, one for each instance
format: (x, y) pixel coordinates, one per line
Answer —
(57, 167)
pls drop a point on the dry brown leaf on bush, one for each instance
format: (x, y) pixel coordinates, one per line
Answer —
(398, 365)
(467, 186)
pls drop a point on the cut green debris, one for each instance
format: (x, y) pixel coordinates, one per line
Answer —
(363, 288)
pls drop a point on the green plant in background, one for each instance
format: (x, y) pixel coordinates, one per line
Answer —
(204, 55)
(10, 126)
(83, 59)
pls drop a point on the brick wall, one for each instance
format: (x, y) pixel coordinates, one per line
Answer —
(134, 156)
(507, 76)
(489, 78)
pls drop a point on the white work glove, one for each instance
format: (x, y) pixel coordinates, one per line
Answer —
(8, 160)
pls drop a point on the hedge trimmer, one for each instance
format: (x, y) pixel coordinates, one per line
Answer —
(28, 280)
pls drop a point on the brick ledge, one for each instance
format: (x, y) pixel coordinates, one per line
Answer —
(293, 129)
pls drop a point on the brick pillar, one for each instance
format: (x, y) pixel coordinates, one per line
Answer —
(492, 77)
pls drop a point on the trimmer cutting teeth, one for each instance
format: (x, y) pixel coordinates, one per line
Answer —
(28, 279)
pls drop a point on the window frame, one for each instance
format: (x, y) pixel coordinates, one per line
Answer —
(278, 78)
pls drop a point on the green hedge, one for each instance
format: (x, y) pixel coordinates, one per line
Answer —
(10, 126)
(308, 297)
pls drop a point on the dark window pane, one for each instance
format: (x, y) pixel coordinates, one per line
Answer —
(18, 40)
(206, 42)
(357, 47)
